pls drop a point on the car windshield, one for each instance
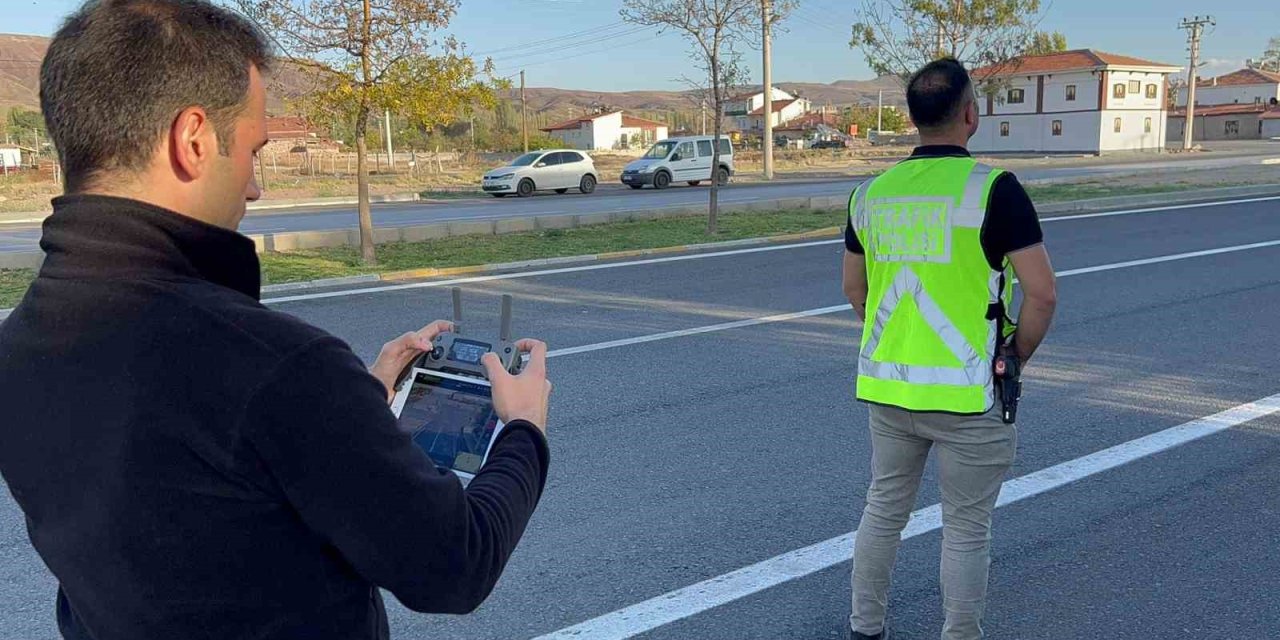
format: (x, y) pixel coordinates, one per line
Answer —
(525, 160)
(660, 150)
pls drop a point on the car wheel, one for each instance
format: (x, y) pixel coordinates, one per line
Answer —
(562, 191)
(662, 180)
(588, 184)
(694, 183)
(525, 188)
(636, 186)
(722, 176)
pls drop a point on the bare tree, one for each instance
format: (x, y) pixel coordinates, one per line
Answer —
(714, 29)
(900, 36)
(368, 55)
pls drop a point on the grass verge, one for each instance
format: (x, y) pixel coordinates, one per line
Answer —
(13, 284)
(473, 250)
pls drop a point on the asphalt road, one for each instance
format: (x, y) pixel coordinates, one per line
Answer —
(679, 458)
(611, 197)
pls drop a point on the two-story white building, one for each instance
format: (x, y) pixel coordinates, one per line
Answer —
(1081, 101)
(607, 131)
(1246, 86)
(747, 109)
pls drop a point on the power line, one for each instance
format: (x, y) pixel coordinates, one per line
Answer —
(574, 45)
(547, 41)
(556, 56)
(579, 55)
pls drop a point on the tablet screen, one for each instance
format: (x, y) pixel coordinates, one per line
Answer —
(451, 419)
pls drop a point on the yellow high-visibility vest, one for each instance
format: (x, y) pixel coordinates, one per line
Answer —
(931, 331)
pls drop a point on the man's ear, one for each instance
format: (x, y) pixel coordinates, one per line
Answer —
(192, 143)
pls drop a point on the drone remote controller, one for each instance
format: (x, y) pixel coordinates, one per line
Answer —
(453, 353)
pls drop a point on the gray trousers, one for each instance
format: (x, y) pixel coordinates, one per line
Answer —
(974, 453)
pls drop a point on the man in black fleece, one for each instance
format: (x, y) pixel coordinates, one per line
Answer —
(191, 463)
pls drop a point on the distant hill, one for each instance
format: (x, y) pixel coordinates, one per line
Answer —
(20, 72)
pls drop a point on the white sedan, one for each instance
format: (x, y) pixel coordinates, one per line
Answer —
(556, 170)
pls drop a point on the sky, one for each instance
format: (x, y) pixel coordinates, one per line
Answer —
(582, 44)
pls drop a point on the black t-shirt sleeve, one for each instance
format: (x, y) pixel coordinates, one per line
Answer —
(1012, 223)
(323, 431)
(851, 243)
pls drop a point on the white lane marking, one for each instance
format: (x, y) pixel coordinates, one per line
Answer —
(738, 324)
(708, 594)
(693, 256)
(711, 328)
(1174, 207)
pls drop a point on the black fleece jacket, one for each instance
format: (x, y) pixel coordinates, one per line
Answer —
(193, 464)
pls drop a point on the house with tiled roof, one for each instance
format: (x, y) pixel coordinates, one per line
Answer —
(1080, 101)
(747, 110)
(1246, 86)
(1233, 106)
(607, 131)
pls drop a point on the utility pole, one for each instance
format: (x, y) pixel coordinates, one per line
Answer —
(391, 158)
(524, 115)
(880, 112)
(704, 116)
(1195, 29)
(768, 91)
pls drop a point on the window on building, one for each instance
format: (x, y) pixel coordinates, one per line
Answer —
(1004, 129)
(1153, 92)
(704, 148)
(1232, 128)
(1017, 96)
(1146, 125)
(1117, 91)
(1071, 93)
(1118, 122)
(1057, 127)
(1135, 87)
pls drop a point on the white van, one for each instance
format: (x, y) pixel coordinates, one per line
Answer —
(679, 160)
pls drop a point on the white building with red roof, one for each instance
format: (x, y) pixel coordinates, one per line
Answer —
(1080, 101)
(1246, 86)
(607, 131)
(747, 110)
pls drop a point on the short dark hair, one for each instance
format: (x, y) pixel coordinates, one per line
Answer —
(937, 92)
(119, 71)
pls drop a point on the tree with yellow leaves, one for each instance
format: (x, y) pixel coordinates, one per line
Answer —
(365, 56)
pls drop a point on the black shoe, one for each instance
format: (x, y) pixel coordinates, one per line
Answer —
(854, 635)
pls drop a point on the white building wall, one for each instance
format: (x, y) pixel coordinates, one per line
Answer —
(1002, 105)
(605, 131)
(11, 158)
(574, 138)
(1271, 128)
(1133, 100)
(1232, 94)
(1034, 132)
(1055, 91)
(1133, 135)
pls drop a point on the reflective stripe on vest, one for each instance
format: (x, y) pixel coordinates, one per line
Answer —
(927, 243)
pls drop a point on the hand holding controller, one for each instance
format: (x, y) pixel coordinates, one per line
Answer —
(523, 396)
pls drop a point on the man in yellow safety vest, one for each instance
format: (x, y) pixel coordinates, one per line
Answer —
(932, 247)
